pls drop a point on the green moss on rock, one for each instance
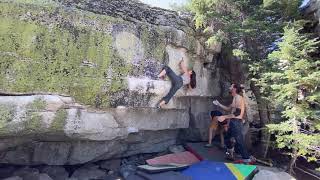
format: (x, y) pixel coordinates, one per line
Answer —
(59, 120)
(36, 105)
(154, 43)
(50, 48)
(37, 58)
(7, 113)
(33, 121)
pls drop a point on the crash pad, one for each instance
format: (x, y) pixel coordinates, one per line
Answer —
(203, 153)
(162, 167)
(185, 158)
(208, 170)
(170, 175)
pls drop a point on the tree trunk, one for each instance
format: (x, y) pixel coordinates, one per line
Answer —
(294, 155)
(262, 105)
(292, 162)
(264, 119)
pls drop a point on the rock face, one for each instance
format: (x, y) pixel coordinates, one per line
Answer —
(78, 80)
(51, 129)
(265, 174)
(102, 53)
(312, 12)
(88, 173)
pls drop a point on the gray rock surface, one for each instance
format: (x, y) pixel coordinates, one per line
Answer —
(13, 178)
(31, 174)
(266, 174)
(43, 176)
(27, 173)
(128, 170)
(312, 12)
(131, 11)
(79, 152)
(176, 149)
(55, 172)
(6, 171)
(199, 119)
(88, 173)
(83, 135)
(112, 165)
(82, 124)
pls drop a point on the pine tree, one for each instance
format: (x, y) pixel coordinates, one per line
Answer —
(294, 85)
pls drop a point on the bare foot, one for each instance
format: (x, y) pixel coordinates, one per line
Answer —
(160, 104)
(161, 77)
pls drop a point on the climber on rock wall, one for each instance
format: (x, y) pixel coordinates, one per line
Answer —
(188, 77)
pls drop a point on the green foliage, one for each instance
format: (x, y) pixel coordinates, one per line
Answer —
(240, 53)
(217, 38)
(293, 82)
(246, 25)
(288, 9)
(225, 13)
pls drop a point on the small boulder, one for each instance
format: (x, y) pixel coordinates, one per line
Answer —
(127, 170)
(27, 173)
(55, 172)
(88, 173)
(176, 148)
(112, 165)
(6, 171)
(13, 178)
(266, 175)
(44, 176)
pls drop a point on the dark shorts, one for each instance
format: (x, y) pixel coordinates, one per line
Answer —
(218, 113)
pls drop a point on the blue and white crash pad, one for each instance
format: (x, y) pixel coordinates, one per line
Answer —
(209, 170)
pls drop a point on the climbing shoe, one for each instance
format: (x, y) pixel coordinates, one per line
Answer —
(208, 145)
(230, 154)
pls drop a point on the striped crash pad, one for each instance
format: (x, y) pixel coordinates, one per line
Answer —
(208, 170)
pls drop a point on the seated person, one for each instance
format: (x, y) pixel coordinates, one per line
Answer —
(217, 126)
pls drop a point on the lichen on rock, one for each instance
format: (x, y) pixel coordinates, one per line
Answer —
(7, 113)
(53, 58)
(59, 121)
(33, 119)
